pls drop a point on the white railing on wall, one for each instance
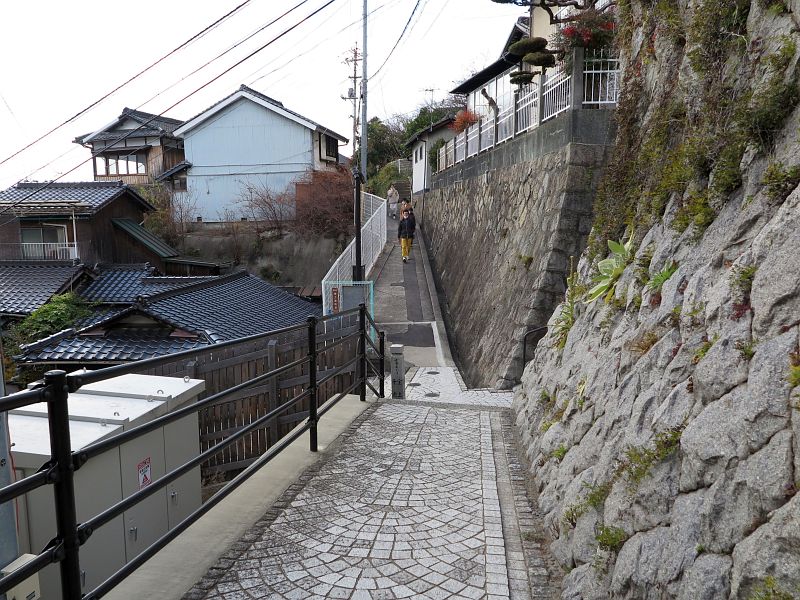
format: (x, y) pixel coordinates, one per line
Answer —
(601, 78)
(44, 251)
(373, 239)
(597, 72)
(556, 94)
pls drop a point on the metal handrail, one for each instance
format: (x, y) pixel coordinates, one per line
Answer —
(59, 471)
(525, 343)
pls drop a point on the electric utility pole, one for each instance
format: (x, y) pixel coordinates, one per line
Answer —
(364, 97)
(358, 268)
(351, 93)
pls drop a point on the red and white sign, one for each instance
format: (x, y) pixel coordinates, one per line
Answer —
(335, 300)
(145, 473)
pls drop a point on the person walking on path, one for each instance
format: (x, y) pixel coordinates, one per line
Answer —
(393, 196)
(405, 234)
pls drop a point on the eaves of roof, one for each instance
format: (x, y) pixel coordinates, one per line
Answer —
(144, 237)
(181, 166)
(486, 75)
(262, 100)
(443, 122)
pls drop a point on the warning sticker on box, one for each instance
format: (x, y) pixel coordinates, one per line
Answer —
(145, 473)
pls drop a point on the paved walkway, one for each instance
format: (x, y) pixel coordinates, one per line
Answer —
(422, 498)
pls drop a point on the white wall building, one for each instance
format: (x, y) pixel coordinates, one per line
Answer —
(249, 141)
(420, 144)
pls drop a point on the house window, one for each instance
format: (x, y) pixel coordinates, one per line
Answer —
(179, 185)
(54, 234)
(331, 147)
(121, 164)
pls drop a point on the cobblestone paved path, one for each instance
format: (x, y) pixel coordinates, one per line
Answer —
(418, 501)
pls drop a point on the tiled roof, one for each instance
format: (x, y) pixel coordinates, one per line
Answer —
(215, 310)
(119, 345)
(145, 238)
(122, 285)
(85, 197)
(25, 287)
(184, 164)
(156, 126)
(233, 306)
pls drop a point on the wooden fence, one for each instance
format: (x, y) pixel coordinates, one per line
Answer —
(227, 367)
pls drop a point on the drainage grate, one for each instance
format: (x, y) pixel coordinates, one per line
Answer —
(433, 372)
(414, 384)
(432, 395)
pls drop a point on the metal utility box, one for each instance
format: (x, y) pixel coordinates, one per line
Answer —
(98, 411)
(28, 589)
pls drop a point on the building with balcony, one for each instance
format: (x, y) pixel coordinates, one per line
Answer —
(504, 111)
(137, 148)
(89, 222)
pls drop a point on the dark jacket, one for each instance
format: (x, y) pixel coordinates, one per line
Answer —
(405, 229)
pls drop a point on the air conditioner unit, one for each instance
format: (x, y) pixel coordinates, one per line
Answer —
(28, 589)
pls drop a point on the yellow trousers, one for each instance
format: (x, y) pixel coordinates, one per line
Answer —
(405, 246)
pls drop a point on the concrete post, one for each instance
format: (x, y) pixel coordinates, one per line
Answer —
(576, 87)
(398, 370)
(540, 102)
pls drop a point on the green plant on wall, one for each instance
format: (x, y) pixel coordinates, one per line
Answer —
(659, 279)
(610, 537)
(780, 181)
(610, 269)
(566, 317)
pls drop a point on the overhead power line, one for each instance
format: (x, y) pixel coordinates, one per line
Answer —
(154, 117)
(195, 37)
(217, 57)
(221, 54)
(402, 33)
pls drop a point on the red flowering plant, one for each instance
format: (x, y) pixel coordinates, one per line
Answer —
(464, 118)
(589, 28)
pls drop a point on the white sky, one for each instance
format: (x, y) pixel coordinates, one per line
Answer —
(59, 56)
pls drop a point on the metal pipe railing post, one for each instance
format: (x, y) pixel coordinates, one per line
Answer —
(362, 352)
(312, 381)
(64, 486)
(382, 362)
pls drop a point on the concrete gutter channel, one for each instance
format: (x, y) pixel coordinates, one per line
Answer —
(180, 565)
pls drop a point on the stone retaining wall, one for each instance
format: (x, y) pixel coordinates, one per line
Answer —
(501, 228)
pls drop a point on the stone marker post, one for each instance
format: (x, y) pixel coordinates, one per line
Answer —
(398, 369)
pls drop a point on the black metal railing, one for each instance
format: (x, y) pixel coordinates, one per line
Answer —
(59, 471)
(525, 337)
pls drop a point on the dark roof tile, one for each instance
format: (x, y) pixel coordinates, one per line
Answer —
(85, 197)
(122, 285)
(26, 287)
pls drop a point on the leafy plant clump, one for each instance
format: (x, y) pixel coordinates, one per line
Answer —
(770, 590)
(659, 279)
(780, 181)
(638, 461)
(527, 45)
(747, 348)
(741, 280)
(559, 453)
(794, 369)
(610, 537)
(61, 312)
(701, 352)
(610, 269)
(540, 59)
(566, 317)
(645, 342)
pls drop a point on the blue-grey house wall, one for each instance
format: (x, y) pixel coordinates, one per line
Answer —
(244, 145)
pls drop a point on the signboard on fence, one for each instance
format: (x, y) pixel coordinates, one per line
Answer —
(335, 302)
